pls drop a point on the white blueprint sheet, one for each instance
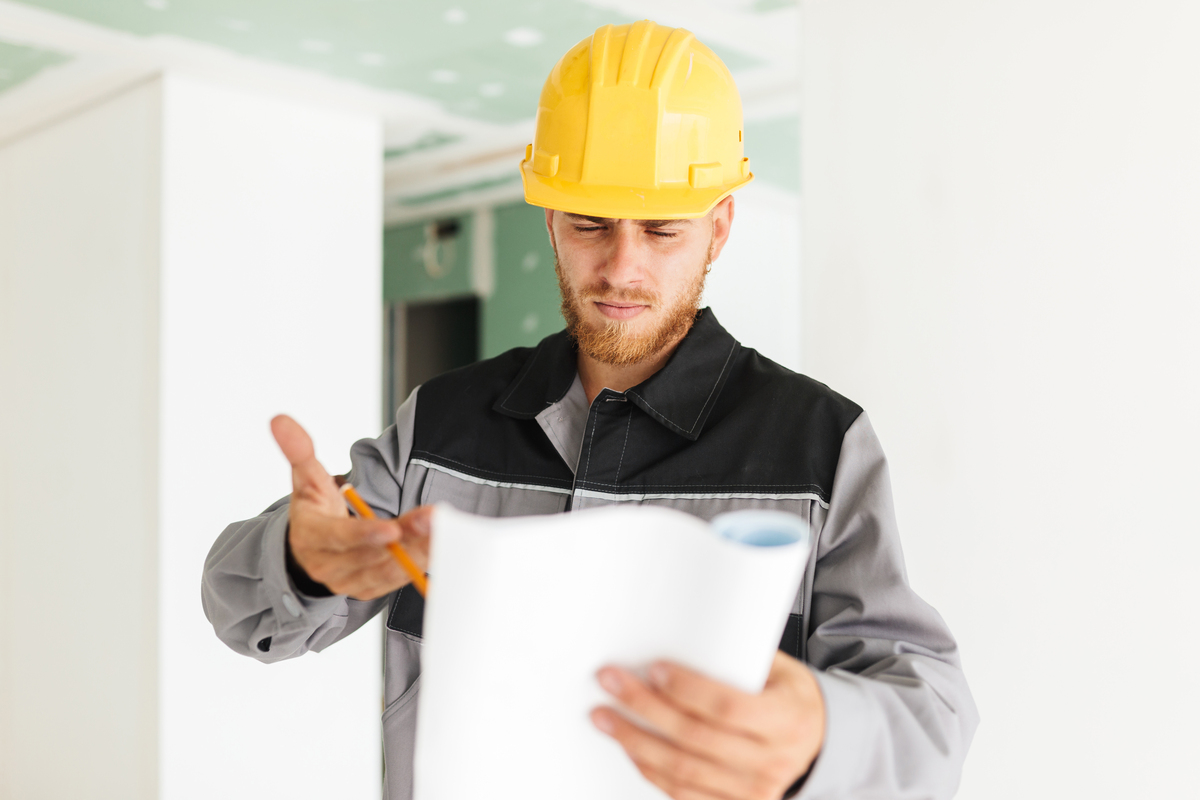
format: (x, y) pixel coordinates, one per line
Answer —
(522, 612)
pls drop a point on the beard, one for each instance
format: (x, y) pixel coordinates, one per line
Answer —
(613, 341)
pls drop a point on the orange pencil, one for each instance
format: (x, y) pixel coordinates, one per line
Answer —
(363, 510)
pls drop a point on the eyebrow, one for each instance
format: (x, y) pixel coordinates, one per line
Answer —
(645, 223)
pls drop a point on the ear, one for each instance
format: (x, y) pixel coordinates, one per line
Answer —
(550, 227)
(722, 222)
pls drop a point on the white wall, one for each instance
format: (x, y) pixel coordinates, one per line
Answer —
(270, 303)
(754, 286)
(78, 461)
(177, 264)
(1001, 264)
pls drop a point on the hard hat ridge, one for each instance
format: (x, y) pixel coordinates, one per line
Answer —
(638, 121)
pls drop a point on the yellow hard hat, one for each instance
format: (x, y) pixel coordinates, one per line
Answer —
(637, 122)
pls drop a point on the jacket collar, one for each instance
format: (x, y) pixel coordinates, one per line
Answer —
(680, 396)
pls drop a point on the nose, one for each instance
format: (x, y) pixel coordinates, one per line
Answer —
(625, 267)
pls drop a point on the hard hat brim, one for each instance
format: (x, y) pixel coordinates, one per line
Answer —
(623, 202)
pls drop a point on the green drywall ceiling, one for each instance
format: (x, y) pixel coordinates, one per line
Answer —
(773, 146)
(523, 308)
(762, 6)
(454, 191)
(19, 63)
(428, 141)
(481, 58)
(417, 265)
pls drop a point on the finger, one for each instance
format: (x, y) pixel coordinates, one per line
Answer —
(343, 571)
(698, 735)
(297, 448)
(383, 578)
(793, 693)
(416, 529)
(292, 439)
(312, 531)
(418, 521)
(676, 766)
(782, 668)
(707, 699)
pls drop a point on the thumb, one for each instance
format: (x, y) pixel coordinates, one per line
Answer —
(308, 476)
(293, 440)
(418, 522)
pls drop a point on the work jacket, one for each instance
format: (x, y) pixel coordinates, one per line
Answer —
(718, 428)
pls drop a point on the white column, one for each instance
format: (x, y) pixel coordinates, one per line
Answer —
(270, 302)
(178, 264)
(1001, 264)
(78, 454)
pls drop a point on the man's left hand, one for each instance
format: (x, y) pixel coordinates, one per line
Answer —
(711, 740)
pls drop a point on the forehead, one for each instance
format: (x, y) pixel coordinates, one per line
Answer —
(645, 223)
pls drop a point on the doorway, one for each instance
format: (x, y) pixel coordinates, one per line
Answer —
(426, 339)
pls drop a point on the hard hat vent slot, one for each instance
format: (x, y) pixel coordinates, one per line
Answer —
(545, 164)
(702, 176)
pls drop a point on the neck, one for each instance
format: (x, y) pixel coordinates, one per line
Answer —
(597, 376)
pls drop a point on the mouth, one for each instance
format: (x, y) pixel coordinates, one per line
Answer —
(620, 311)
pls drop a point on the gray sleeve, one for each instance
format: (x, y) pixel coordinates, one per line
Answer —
(247, 595)
(900, 716)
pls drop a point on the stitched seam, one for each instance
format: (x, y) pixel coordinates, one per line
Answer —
(468, 467)
(696, 422)
(392, 613)
(707, 495)
(621, 460)
(549, 430)
(661, 415)
(462, 476)
(591, 439)
(524, 373)
(728, 487)
(395, 626)
(716, 383)
(638, 496)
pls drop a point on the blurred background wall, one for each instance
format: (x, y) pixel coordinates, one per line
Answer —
(1001, 264)
(199, 199)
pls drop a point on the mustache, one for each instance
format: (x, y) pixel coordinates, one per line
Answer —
(611, 295)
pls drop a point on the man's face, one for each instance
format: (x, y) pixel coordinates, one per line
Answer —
(631, 288)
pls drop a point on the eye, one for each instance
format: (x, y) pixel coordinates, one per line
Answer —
(664, 234)
(589, 228)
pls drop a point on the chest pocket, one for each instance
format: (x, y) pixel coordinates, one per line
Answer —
(407, 614)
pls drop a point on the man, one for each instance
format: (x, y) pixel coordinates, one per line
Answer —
(644, 398)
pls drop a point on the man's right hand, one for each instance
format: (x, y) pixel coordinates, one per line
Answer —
(347, 554)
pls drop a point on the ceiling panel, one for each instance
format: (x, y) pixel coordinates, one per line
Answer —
(19, 63)
(481, 59)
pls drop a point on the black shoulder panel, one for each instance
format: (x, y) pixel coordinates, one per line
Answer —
(771, 431)
(458, 428)
(791, 424)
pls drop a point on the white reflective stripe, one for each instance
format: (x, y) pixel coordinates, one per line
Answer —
(484, 482)
(706, 496)
(624, 497)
